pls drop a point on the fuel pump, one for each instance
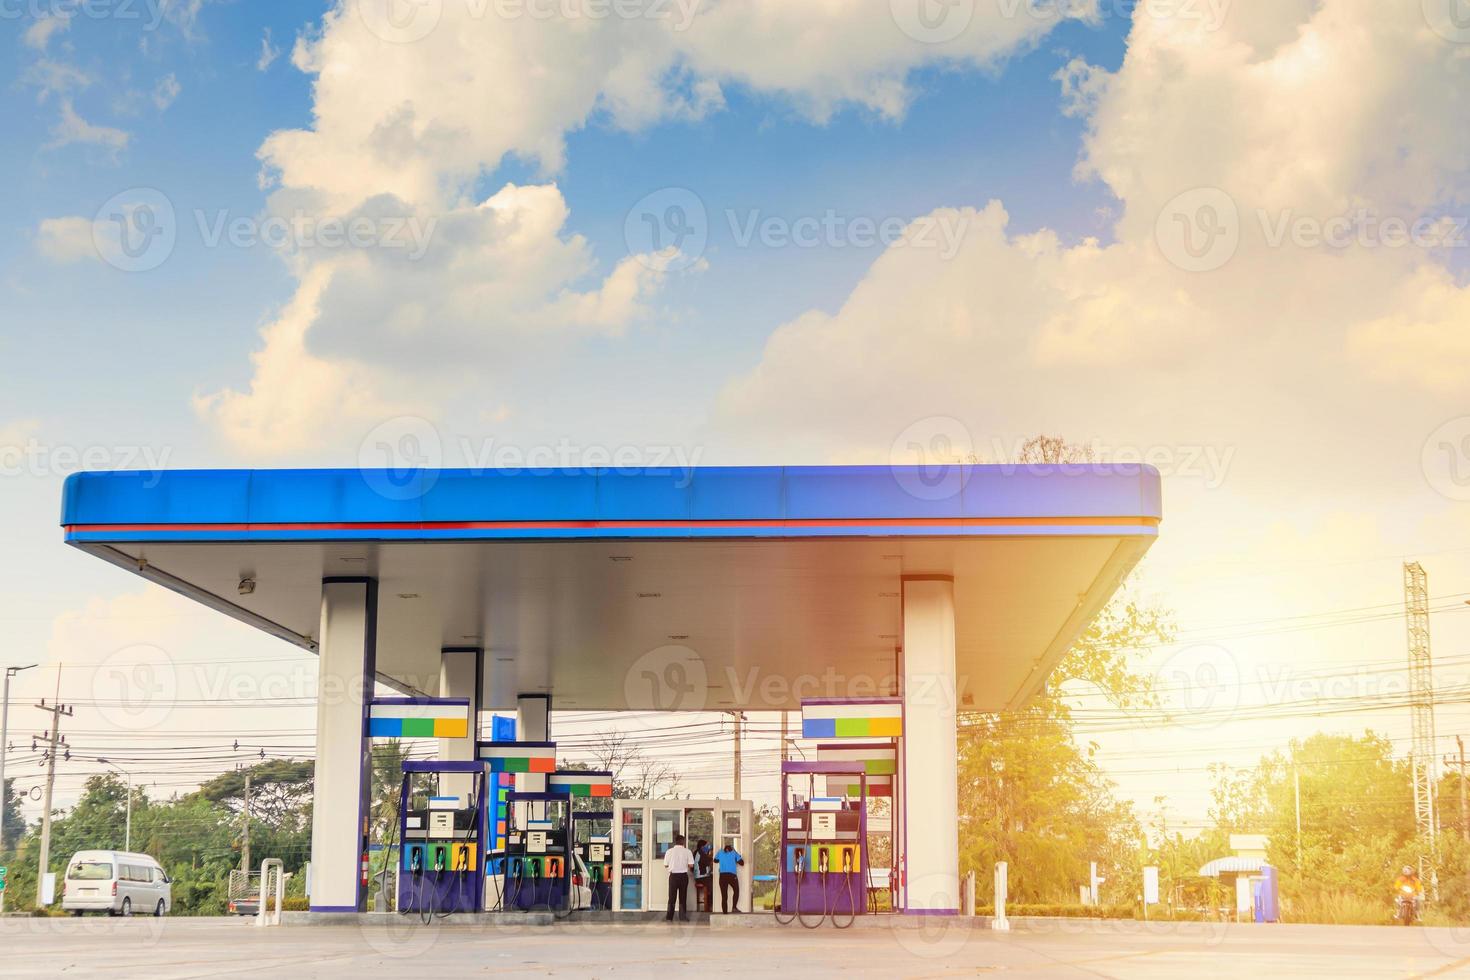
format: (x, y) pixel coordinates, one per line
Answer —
(442, 836)
(538, 853)
(824, 847)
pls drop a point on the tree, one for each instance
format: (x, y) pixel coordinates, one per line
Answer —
(278, 789)
(635, 776)
(14, 819)
(1029, 792)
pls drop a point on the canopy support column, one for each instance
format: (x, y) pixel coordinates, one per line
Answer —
(929, 749)
(347, 649)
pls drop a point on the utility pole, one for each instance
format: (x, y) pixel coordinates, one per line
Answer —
(1451, 760)
(739, 717)
(5, 744)
(245, 846)
(785, 736)
(58, 711)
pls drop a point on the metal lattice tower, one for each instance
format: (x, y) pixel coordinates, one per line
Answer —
(1421, 697)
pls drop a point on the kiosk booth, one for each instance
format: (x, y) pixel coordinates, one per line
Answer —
(645, 830)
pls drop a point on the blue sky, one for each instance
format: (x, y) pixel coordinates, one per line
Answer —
(986, 135)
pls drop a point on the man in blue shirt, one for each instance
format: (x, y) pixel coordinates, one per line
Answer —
(730, 861)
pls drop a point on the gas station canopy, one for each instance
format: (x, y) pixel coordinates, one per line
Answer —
(566, 578)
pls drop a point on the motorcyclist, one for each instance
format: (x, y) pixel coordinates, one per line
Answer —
(1408, 888)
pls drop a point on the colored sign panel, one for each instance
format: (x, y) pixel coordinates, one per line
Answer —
(419, 718)
(582, 784)
(502, 729)
(877, 718)
(878, 786)
(519, 756)
(878, 760)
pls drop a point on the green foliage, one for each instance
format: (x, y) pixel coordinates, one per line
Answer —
(1031, 795)
(1073, 911)
(14, 819)
(196, 837)
(1357, 829)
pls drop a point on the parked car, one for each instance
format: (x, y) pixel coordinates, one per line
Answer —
(115, 882)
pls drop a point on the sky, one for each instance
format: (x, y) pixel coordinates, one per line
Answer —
(1228, 237)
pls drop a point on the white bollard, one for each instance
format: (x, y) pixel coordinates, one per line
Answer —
(262, 917)
(1000, 923)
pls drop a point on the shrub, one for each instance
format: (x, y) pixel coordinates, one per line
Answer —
(1073, 911)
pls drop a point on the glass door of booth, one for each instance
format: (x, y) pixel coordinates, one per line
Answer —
(701, 827)
(732, 832)
(632, 885)
(666, 824)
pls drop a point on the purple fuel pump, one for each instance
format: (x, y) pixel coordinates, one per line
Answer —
(824, 847)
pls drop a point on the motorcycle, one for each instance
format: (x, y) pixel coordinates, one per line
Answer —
(1406, 905)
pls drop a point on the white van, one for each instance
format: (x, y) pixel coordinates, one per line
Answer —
(117, 883)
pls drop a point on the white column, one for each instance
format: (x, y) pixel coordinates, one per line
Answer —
(533, 717)
(347, 654)
(930, 793)
(459, 677)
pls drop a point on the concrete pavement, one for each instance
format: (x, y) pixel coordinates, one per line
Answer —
(399, 947)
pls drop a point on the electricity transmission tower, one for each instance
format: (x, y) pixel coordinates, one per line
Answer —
(1421, 698)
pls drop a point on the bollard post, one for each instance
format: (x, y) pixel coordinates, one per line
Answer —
(1000, 923)
(262, 917)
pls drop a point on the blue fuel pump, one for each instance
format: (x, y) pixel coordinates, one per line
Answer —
(442, 835)
(538, 853)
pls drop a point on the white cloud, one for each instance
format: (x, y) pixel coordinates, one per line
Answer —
(296, 399)
(1291, 116)
(72, 128)
(183, 14)
(268, 52)
(407, 114)
(66, 240)
(55, 78)
(416, 108)
(44, 28)
(166, 91)
(1425, 340)
(443, 294)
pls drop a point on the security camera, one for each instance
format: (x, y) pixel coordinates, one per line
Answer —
(247, 585)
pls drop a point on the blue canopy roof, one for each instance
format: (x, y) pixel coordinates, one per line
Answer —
(781, 501)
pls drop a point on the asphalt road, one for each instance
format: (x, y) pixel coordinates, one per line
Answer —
(175, 948)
